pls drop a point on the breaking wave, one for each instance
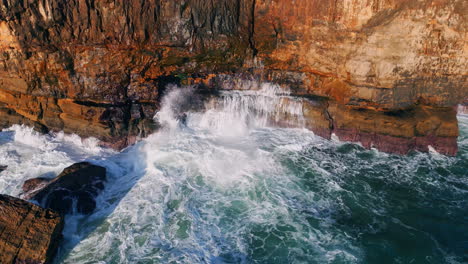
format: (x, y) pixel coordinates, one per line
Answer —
(221, 185)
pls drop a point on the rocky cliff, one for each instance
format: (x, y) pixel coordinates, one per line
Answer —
(98, 68)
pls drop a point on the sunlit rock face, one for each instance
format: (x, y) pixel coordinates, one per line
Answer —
(29, 233)
(99, 68)
(382, 54)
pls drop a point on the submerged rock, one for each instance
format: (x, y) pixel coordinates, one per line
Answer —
(28, 233)
(73, 190)
(2, 168)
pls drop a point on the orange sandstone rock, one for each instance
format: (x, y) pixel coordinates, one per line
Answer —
(28, 233)
(100, 69)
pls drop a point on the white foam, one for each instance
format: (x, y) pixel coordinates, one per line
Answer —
(223, 184)
(217, 161)
(29, 154)
(29, 137)
(236, 113)
(169, 114)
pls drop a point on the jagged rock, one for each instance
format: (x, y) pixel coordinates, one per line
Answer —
(109, 62)
(32, 185)
(28, 233)
(2, 168)
(385, 52)
(381, 53)
(397, 132)
(113, 124)
(80, 182)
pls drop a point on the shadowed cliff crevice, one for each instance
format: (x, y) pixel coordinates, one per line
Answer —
(96, 56)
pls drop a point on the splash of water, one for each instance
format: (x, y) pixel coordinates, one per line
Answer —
(234, 113)
(222, 186)
(30, 154)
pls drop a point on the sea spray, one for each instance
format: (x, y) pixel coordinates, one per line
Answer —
(231, 113)
(30, 154)
(223, 185)
(235, 113)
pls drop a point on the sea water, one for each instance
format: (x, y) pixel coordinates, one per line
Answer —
(221, 186)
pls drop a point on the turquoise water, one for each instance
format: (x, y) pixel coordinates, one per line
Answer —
(224, 188)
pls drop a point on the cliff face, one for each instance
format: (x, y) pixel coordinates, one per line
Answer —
(98, 67)
(118, 50)
(378, 53)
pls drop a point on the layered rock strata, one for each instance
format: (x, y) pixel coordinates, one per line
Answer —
(28, 233)
(398, 131)
(115, 124)
(98, 68)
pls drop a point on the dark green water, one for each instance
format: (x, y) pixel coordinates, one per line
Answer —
(285, 196)
(221, 191)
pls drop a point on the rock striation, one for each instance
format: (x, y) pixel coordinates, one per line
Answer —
(384, 54)
(98, 68)
(73, 190)
(399, 131)
(28, 233)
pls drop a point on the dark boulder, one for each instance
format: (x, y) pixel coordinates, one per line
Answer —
(2, 168)
(32, 185)
(28, 233)
(74, 190)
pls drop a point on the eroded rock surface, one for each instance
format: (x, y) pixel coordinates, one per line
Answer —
(28, 233)
(98, 68)
(398, 131)
(33, 185)
(73, 190)
(380, 53)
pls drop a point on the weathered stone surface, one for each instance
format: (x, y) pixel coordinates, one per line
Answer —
(380, 53)
(33, 185)
(80, 182)
(119, 50)
(28, 233)
(390, 53)
(98, 68)
(116, 125)
(398, 132)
